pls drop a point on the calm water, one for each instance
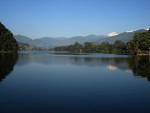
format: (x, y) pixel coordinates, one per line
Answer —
(43, 82)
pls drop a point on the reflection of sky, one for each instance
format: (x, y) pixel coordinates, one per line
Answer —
(98, 61)
(111, 62)
(46, 82)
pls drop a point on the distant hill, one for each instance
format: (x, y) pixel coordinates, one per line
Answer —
(7, 42)
(23, 39)
(124, 37)
(27, 47)
(50, 42)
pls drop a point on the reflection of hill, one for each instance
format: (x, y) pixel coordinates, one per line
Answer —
(140, 66)
(120, 63)
(85, 60)
(7, 62)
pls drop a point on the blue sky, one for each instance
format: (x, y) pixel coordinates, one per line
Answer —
(56, 18)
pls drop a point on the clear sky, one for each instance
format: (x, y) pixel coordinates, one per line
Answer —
(56, 18)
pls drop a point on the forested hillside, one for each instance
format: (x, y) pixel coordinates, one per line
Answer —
(7, 41)
(140, 45)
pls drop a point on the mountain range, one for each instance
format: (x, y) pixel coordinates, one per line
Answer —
(124, 37)
(50, 42)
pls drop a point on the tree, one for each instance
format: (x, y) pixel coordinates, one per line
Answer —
(89, 47)
(7, 41)
(131, 47)
(77, 48)
(119, 47)
(141, 43)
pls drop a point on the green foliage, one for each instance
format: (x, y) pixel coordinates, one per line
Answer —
(140, 44)
(118, 47)
(105, 47)
(89, 47)
(131, 47)
(7, 41)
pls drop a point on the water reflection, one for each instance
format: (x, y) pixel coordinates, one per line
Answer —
(139, 66)
(44, 83)
(7, 62)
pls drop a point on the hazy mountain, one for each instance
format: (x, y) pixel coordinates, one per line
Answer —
(23, 39)
(50, 42)
(125, 36)
(27, 47)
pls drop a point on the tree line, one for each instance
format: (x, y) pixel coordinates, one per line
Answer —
(139, 45)
(88, 47)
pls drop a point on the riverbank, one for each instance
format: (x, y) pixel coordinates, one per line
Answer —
(5, 52)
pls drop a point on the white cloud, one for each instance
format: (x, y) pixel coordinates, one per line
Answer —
(112, 34)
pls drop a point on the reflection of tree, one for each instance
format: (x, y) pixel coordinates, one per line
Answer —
(140, 66)
(7, 62)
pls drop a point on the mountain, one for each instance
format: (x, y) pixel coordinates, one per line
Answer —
(49, 42)
(23, 39)
(7, 41)
(27, 47)
(124, 37)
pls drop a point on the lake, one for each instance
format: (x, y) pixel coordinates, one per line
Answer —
(49, 82)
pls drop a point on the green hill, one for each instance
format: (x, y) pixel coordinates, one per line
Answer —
(7, 42)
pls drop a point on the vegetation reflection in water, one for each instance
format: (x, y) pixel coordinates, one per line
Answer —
(101, 80)
(7, 62)
(138, 65)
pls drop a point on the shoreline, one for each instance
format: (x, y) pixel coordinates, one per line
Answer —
(4, 52)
